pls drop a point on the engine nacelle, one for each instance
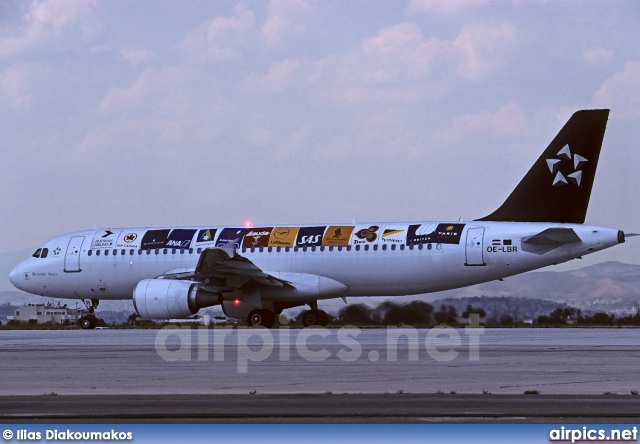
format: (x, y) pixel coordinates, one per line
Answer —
(167, 299)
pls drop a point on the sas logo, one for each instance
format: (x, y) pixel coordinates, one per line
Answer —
(130, 237)
(309, 240)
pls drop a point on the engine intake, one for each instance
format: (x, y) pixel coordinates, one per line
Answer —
(167, 299)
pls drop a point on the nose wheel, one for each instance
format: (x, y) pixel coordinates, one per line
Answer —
(89, 321)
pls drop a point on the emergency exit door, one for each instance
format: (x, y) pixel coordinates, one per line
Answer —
(475, 247)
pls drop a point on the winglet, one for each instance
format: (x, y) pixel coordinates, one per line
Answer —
(95, 226)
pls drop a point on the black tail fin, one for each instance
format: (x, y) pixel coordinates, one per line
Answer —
(558, 186)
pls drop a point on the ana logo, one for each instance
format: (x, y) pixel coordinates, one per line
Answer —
(368, 233)
(554, 166)
(130, 237)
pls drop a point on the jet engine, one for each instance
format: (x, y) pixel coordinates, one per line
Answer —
(167, 299)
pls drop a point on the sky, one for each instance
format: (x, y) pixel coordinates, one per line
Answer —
(167, 113)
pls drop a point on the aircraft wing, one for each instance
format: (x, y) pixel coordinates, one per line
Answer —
(553, 237)
(225, 264)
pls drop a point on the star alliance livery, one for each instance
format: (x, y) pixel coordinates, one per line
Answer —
(257, 272)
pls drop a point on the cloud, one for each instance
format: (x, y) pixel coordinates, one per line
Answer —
(400, 64)
(218, 38)
(621, 93)
(14, 86)
(483, 48)
(155, 89)
(136, 56)
(285, 19)
(507, 120)
(443, 7)
(48, 20)
(281, 76)
(598, 55)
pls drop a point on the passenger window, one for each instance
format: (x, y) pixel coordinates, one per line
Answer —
(295, 248)
(261, 249)
(182, 251)
(37, 253)
(384, 247)
(199, 250)
(139, 252)
(357, 247)
(148, 252)
(375, 248)
(411, 247)
(286, 249)
(330, 248)
(173, 251)
(131, 252)
(157, 251)
(190, 250)
(89, 253)
(366, 248)
(122, 252)
(97, 252)
(304, 249)
(253, 249)
(401, 246)
(313, 248)
(393, 246)
(269, 249)
(322, 248)
(165, 251)
(106, 252)
(429, 246)
(278, 249)
(45, 251)
(420, 247)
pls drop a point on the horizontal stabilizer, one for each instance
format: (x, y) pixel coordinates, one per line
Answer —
(553, 236)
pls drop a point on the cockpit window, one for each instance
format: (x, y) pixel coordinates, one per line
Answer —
(37, 253)
(45, 251)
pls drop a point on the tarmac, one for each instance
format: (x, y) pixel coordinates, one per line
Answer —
(319, 375)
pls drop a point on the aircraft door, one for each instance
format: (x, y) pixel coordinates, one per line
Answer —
(72, 257)
(475, 247)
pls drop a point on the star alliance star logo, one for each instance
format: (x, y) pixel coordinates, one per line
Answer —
(56, 251)
(554, 166)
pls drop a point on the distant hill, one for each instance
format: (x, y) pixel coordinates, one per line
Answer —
(608, 286)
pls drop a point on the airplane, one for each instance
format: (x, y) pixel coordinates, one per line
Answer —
(255, 273)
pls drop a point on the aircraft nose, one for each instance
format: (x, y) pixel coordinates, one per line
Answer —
(13, 277)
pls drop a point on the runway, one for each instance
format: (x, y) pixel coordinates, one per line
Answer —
(320, 408)
(223, 361)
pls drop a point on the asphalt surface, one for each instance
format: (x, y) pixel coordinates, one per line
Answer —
(320, 408)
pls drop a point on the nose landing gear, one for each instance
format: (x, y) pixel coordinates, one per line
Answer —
(89, 321)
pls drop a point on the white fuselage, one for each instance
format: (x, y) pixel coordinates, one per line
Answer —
(389, 266)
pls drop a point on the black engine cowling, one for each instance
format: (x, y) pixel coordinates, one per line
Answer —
(167, 299)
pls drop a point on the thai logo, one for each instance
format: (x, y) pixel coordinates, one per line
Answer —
(370, 234)
(554, 166)
(130, 237)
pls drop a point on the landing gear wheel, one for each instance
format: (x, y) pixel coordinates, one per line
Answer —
(88, 322)
(264, 318)
(314, 317)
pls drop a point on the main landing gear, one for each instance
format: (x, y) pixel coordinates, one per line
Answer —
(89, 321)
(265, 318)
(314, 316)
